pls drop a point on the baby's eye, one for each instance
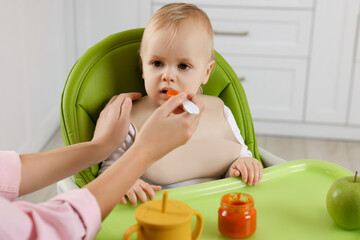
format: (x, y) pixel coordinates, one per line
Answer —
(157, 63)
(183, 66)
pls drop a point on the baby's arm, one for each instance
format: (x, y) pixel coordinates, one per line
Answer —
(248, 167)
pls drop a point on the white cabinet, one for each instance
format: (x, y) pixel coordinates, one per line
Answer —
(354, 117)
(260, 32)
(269, 49)
(274, 86)
(330, 72)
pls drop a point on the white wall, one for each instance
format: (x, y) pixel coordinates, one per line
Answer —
(40, 41)
(97, 19)
(37, 51)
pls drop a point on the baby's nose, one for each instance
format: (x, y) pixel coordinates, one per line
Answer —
(168, 76)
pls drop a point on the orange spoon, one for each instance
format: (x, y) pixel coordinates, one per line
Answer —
(172, 93)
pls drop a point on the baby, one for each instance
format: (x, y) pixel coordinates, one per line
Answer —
(177, 53)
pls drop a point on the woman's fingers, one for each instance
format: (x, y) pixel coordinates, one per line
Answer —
(172, 104)
(195, 99)
(164, 131)
(123, 102)
(119, 99)
(125, 110)
(113, 123)
(133, 95)
(112, 100)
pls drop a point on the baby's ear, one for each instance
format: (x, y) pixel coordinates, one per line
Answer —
(208, 71)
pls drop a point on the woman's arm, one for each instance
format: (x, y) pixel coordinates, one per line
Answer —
(41, 169)
(75, 214)
(161, 133)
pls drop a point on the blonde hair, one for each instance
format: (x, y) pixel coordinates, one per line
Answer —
(172, 15)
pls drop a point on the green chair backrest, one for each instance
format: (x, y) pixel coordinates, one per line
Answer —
(112, 67)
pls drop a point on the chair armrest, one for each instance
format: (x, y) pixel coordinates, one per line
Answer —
(268, 159)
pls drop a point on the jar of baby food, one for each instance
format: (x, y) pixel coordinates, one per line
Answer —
(237, 215)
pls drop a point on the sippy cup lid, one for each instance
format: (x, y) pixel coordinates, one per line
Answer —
(151, 213)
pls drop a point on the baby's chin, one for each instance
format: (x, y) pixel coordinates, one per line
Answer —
(158, 100)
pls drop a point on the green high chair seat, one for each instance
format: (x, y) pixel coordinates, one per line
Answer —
(112, 67)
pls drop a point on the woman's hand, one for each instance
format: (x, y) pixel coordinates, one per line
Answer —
(163, 131)
(113, 123)
(41, 169)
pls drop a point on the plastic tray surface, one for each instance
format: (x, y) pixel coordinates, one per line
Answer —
(290, 203)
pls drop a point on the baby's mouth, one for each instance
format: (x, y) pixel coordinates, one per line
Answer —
(163, 93)
(165, 90)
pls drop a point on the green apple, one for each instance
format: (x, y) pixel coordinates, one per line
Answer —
(343, 202)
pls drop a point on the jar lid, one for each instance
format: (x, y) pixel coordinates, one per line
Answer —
(237, 200)
(151, 213)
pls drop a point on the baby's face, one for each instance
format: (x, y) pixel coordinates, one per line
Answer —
(183, 65)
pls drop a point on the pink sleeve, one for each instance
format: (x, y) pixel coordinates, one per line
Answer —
(71, 215)
(10, 174)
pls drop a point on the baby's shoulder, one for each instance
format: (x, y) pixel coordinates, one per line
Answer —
(211, 101)
(141, 110)
(143, 103)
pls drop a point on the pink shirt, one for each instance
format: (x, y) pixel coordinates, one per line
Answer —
(72, 215)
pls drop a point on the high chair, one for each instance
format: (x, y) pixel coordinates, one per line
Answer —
(111, 67)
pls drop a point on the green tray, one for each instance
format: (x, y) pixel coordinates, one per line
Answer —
(290, 203)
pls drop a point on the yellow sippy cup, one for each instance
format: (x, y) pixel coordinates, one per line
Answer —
(165, 219)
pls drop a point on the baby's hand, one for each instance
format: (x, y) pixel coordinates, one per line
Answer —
(139, 190)
(249, 168)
